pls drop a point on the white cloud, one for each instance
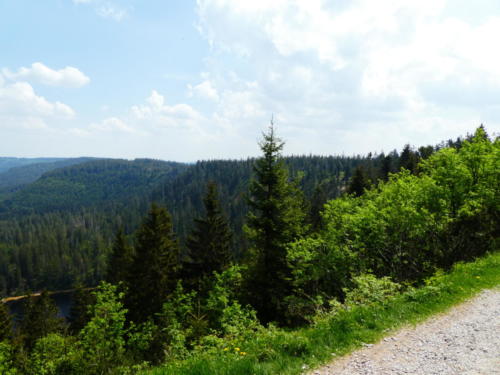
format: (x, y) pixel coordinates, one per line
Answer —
(112, 124)
(204, 90)
(20, 99)
(112, 12)
(106, 9)
(382, 72)
(162, 115)
(22, 108)
(38, 72)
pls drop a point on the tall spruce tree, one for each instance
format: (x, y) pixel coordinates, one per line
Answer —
(209, 246)
(79, 314)
(276, 218)
(40, 317)
(359, 182)
(155, 266)
(409, 159)
(5, 323)
(120, 259)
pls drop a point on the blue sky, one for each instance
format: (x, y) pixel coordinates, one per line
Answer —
(188, 80)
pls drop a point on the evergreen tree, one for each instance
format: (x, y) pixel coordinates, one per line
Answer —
(209, 246)
(120, 259)
(408, 159)
(359, 182)
(155, 265)
(79, 316)
(5, 323)
(386, 167)
(276, 219)
(40, 317)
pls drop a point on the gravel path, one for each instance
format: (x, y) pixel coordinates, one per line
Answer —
(465, 340)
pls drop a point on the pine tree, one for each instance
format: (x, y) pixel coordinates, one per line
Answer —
(209, 246)
(5, 323)
(408, 159)
(79, 314)
(155, 265)
(120, 259)
(359, 182)
(40, 317)
(276, 219)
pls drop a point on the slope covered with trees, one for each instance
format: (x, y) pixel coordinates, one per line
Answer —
(371, 246)
(16, 177)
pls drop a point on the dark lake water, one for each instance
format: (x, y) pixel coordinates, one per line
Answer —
(63, 301)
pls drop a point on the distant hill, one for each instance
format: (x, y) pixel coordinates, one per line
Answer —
(89, 183)
(16, 177)
(7, 163)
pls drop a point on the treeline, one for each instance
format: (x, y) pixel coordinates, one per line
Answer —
(58, 230)
(163, 304)
(75, 212)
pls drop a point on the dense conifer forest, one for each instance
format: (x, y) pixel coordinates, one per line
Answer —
(194, 259)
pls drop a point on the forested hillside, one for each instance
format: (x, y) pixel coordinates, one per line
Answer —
(59, 229)
(7, 163)
(16, 177)
(211, 305)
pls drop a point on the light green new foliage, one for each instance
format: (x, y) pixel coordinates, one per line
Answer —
(6, 363)
(55, 354)
(370, 289)
(103, 338)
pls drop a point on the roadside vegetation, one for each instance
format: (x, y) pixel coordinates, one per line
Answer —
(382, 255)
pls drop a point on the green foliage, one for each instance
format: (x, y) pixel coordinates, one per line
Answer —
(120, 260)
(360, 182)
(5, 323)
(6, 359)
(55, 354)
(209, 246)
(103, 338)
(40, 317)
(288, 352)
(80, 312)
(155, 265)
(369, 289)
(276, 219)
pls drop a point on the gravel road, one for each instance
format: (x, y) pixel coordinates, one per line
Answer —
(465, 340)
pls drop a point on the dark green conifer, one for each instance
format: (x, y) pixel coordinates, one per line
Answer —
(277, 218)
(155, 265)
(209, 246)
(120, 259)
(409, 159)
(80, 315)
(5, 322)
(40, 317)
(359, 182)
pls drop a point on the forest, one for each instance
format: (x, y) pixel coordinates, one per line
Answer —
(172, 262)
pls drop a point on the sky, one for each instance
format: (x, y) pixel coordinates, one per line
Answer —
(187, 80)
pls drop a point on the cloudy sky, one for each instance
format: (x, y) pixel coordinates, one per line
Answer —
(186, 80)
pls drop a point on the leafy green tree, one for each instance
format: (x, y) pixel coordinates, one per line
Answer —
(276, 219)
(7, 359)
(155, 266)
(103, 338)
(209, 246)
(55, 354)
(120, 259)
(5, 323)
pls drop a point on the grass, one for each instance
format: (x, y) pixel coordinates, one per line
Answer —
(288, 352)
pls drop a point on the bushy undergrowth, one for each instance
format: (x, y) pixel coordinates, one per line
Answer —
(362, 319)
